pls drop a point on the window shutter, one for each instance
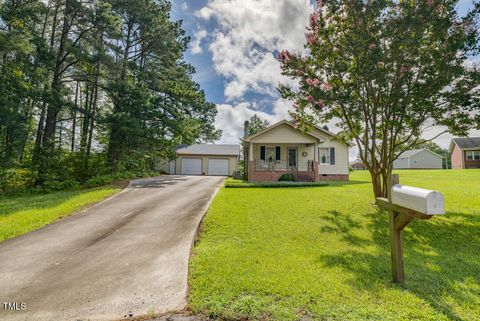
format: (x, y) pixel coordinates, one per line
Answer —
(262, 152)
(332, 156)
(277, 153)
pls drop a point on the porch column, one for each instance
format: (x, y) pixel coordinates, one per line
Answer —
(250, 163)
(315, 162)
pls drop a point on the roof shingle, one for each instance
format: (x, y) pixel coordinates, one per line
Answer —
(467, 142)
(409, 153)
(210, 149)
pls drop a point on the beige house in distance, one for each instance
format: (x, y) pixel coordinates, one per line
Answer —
(284, 148)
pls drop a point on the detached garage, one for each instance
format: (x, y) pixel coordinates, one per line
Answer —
(206, 159)
(418, 159)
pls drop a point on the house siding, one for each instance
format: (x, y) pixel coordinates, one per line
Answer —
(301, 148)
(426, 160)
(401, 163)
(421, 160)
(283, 134)
(341, 157)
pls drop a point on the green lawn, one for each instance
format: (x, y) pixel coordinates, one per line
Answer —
(22, 214)
(322, 253)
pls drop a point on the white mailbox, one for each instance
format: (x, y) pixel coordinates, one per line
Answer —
(418, 199)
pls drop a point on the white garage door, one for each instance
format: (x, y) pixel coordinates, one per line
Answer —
(218, 167)
(191, 166)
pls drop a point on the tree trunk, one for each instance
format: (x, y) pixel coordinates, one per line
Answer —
(74, 121)
(95, 99)
(376, 184)
(85, 121)
(116, 138)
(39, 135)
(92, 115)
(54, 107)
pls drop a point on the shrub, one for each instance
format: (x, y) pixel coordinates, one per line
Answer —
(16, 180)
(99, 181)
(52, 185)
(287, 177)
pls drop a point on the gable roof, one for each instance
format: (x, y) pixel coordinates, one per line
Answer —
(210, 149)
(466, 142)
(412, 152)
(292, 124)
(409, 153)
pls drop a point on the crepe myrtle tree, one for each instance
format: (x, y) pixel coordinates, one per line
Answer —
(386, 71)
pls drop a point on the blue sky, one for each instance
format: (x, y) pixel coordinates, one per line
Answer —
(232, 48)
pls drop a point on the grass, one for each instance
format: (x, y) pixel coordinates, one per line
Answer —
(323, 254)
(237, 183)
(22, 214)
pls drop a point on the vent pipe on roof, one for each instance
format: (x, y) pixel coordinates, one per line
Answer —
(325, 127)
(245, 128)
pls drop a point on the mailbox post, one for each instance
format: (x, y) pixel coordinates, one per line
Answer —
(404, 204)
(396, 238)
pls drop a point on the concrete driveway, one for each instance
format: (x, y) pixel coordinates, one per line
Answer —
(128, 255)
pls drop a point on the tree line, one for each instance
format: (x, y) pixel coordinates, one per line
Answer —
(95, 86)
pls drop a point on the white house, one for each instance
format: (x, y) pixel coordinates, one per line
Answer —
(418, 159)
(285, 148)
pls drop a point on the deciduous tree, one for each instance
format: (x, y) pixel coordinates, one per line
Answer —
(386, 71)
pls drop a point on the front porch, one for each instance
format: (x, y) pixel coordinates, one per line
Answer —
(268, 162)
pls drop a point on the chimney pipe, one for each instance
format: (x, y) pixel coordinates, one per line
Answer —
(245, 128)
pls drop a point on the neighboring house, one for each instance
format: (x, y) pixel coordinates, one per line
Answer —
(358, 165)
(205, 159)
(283, 148)
(465, 152)
(418, 159)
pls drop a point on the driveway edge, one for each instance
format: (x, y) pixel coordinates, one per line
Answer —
(194, 242)
(197, 229)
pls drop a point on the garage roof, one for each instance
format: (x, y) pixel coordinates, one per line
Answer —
(210, 149)
(411, 152)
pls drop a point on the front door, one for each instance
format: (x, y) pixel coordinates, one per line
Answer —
(292, 157)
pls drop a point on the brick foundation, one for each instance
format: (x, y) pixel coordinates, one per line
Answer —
(265, 176)
(333, 177)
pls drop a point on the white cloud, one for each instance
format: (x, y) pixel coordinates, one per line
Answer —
(444, 140)
(246, 34)
(196, 44)
(230, 118)
(204, 13)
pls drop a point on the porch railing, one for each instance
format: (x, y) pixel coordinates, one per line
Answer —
(265, 165)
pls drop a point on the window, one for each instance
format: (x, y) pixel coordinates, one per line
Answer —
(326, 156)
(269, 154)
(473, 155)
